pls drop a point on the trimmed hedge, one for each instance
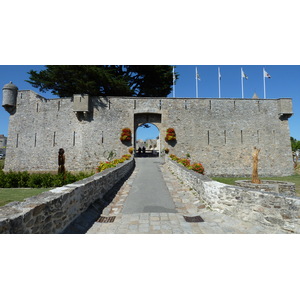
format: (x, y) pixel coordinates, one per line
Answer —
(43, 180)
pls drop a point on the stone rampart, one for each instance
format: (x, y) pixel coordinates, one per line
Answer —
(220, 133)
(271, 209)
(53, 211)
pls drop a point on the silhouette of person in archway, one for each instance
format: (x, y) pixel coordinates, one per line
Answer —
(139, 151)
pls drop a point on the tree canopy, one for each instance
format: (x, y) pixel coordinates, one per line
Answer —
(107, 80)
(295, 144)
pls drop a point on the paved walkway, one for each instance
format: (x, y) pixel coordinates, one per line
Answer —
(149, 192)
(153, 200)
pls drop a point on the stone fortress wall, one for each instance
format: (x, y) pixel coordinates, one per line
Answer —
(220, 133)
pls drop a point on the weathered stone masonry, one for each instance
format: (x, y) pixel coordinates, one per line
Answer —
(53, 211)
(270, 209)
(220, 133)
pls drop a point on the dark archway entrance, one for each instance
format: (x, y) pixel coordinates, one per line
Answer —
(148, 147)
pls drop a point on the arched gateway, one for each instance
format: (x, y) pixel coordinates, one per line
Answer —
(141, 119)
(219, 133)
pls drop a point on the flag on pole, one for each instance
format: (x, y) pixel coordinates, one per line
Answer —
(174, 77)
(244, 75)
(174, 80)
(197, 75)
(197, 78)
(219, 73)
(266, 74)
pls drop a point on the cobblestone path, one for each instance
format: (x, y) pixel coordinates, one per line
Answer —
(187, 203)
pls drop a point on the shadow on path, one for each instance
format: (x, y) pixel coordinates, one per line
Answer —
(86, 220)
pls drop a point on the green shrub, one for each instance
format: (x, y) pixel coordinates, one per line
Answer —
(35, 181)
(43, 180)
(2, 179)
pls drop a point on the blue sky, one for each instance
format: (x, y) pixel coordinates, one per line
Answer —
(284, 82)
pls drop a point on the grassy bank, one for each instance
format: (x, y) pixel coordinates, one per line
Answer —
(8, 195)
(295, 179)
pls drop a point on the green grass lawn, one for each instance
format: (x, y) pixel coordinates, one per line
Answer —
(10, 195)
(295, 179)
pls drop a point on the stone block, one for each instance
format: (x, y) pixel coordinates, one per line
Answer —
(81, 103)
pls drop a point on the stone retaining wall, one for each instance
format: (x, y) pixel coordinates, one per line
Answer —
(271, 209)
(53, 211)
(275, 186)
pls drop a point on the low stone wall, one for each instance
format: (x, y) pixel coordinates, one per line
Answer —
(271, 209)
(274, 186)
(53, 211)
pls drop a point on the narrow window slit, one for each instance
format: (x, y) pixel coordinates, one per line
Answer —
(242, 140)
(54, 135)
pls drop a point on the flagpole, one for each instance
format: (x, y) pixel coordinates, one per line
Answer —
(174, 78)
(264, 77)
(219, 77)
(242, 82)
(196, 78)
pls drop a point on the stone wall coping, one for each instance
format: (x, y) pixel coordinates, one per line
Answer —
(15, 214)
(259, 207)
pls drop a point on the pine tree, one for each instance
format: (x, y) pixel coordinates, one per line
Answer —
(109, 80)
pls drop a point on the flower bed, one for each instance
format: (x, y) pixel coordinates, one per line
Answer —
(103, 165)
(197, 167)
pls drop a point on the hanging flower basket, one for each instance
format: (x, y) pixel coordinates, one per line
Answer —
(171, 135)
(125, 135)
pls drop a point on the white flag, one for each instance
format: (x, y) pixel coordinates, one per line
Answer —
(219, 73)
(174, 77)
(266, 74)
(197, 75)
(244, 75)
